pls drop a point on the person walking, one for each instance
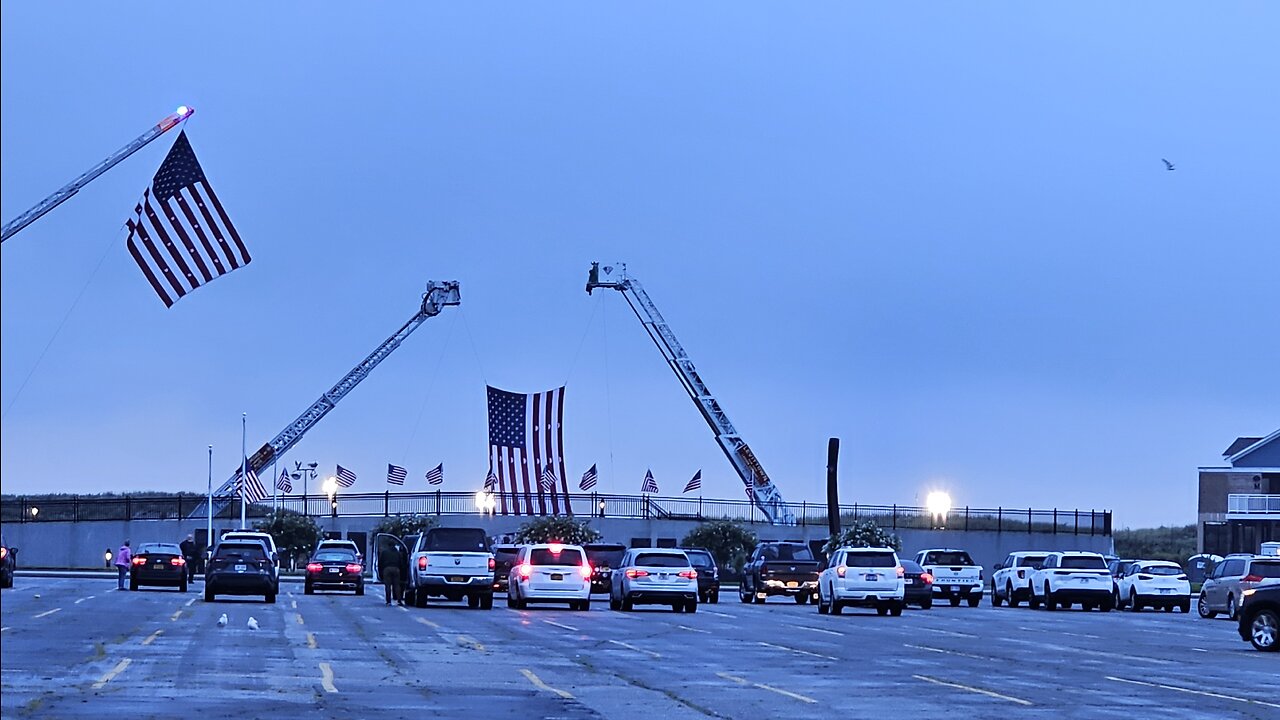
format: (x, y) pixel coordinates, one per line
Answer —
(188, 548)
(124, 558)
(389, 562)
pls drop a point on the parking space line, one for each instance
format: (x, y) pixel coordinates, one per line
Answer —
(1062, 632)
(971, 689)
(85, 598)
(427, 622)
(952, 633)
(719, 614)
(1205, 693)
(798, 651)
(47, 613)
(190, 602)
(537, 682)
(561, 625)
(770, 688)
(112, 673)
(311, 640)
(948, 652)
(691, 629)
(818, 630)
(2, 629)
(293, 604)
(152, 637)
(629, 646)
(1068, 648)
(175, 616)
(326, 678)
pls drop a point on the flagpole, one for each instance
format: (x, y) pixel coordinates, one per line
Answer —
(275, 486)
(244, 467)
(208, 538)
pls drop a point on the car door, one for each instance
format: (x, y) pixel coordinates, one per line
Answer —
(618, 580)
(1212, 589)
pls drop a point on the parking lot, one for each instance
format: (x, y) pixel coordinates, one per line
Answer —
(83, 649)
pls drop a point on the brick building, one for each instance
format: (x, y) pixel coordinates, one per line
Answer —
(1239, 506)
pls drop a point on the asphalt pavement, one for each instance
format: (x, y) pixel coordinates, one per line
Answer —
(78, 648)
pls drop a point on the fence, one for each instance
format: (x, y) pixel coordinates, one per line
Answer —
(77, 509)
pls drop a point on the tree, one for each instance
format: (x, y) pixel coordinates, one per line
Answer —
(402, 525)
(557, 529)
(295, 534)
(864, 533)
(728, 542)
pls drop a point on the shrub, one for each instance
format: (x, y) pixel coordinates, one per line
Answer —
(557, 529)
(864, 533)
(402, 525)
(295, 534)
(729, 542)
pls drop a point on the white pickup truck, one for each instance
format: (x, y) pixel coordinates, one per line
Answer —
(452, 563)
(956, 576)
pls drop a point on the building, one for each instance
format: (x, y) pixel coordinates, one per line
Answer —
(1239, 506)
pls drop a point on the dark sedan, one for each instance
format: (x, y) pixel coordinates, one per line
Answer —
(504, 556)
(334, 568)
(1260, 618)
(917, 585)
(8, 561)
(240, 567)
(158, 564)
(603, 558)
(708, 573)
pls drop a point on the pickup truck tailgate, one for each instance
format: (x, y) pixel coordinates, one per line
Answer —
(455, 563)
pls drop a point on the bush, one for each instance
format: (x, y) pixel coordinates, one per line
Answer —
(729, 543)
(864, 533)
(295, 534)
(557, 529)
(402, 525)
(1174, 544)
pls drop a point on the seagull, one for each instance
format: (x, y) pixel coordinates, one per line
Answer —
(1167, 165)
(222, 621)
(253, 624)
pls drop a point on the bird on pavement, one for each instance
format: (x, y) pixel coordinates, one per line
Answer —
(253, 624)
(1167, 165)
(222, 621)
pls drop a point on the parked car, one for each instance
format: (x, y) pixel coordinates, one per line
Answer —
(1154, 584)
(267, 541)
(1011, 581)
(1259, 621)
(1117, 567)
(158, 564)
(334, 567)
(956, 576)
(504, 556)
(1223, 590)
(862, 577)
(780, 568)
(917, 584)
(654, 576)
(453, 563)
(240, 567)
(550, 573)
(1200, 567)
(1065, 578)
(708, 574)
(343, 544)
(603, 558)
(8, 563)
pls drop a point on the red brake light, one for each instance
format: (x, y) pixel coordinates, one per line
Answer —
(4, 552)
(902, 571)
(422, 562)
(555, 548)
(585, 569)
(139, 561)
(492, 564)
(689, 574)
(314, 567)
(525, 570)
(355, 568)
(177, 561)
(841, 570)
(1251, 578)
(926, 578)
(634, 573)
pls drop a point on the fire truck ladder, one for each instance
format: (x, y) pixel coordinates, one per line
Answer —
(439, 295)
(763, 492)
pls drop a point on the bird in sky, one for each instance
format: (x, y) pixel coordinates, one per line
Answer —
(1167, 165)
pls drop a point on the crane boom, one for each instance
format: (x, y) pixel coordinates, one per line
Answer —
(763, 492)
(73, 187)
(439, 295)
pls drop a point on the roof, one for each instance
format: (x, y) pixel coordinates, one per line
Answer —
(1253, 447)
(1240, 444)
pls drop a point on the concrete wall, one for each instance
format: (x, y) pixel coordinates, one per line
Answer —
(81, 545)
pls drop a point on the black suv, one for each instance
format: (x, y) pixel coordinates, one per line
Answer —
(8, 561)
(1260, 618)
(240, 567)
(603, 558)
(708, 573)
(504, 556)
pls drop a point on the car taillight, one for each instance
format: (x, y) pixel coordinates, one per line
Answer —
(177, 561)
(689, 574)
(314, 567)
(492, 564)
(354, 568)
(901, 571)
(634, 573)
(4, 552)
(139, 561)
(926, 578)
(525, 570)
(841, 570)
(1251, 578)
(585, 569)
(422, 562)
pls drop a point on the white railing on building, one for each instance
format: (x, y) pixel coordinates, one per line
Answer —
(1253, 504)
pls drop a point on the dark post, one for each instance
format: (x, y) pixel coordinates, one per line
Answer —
(966, 518)
(895, 516)
(999, 517)
(128, 507)
(386, 504)
(75, 508)
(1077, 521)
(833, 489)
(1055, 521)
(437, 503)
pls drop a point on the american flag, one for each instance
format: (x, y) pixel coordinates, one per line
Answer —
(283, 483)
(490, 481)
(396, 474)
(252, 491)
(751, 492)
(435, 475)
(547, 482)
(695, 483)
(346, 478)
(588, 479)
(650, 485)
(526, 436)
(190, 240)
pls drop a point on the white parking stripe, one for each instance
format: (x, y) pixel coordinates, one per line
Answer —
(1205, 693)
(326, 678)
(797, 651)
(48, 612)
(561, 625)
(719, 614)
(968, 688)
(817, 630)
(112, 673)
(636, 649)
(948, 652)
(770, 688)
(682, 627)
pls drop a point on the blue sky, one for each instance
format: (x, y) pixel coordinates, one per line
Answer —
(941, 233)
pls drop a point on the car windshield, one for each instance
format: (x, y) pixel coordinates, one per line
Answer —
(666, 560)
(158, 549)
(1031, 561)
(1160, 570)
(869, 559)
(1082, 562)
(505, 554)
(948, 557)
(605, 557)
(1266, 569)
(544, 556)
(700, 559)
(788, 552)
(240, 552)
(335, 555)
(457, 540)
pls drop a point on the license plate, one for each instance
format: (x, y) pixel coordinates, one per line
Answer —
(872, 578)
(955, 588)
(792, 584)
(239, 568)
(457, 579)
(1166, 590)
(333, 570)
(909, 581)
(557, 576)
(157, 566)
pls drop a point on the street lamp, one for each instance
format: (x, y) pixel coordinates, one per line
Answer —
(939, 504)
(106, 558)
(304, 473)
(485, 502)
(34, 512)
(331, 489)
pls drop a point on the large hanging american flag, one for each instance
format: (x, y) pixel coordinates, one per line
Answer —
(526, 437)
(190, 240)
(396, 474)
(346, 478)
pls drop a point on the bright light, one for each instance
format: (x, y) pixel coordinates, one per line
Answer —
(330, 486)
(183, 111)
(939, 503)
(35, 511)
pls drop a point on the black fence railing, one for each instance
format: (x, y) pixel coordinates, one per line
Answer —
(893, 517)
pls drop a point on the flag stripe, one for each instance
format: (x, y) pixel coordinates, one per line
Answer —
(214, 229)
(160, 264)
(537, 426)
(559, 452)
(163, 236)
(146, 269)
(186, 239)
(226, 222)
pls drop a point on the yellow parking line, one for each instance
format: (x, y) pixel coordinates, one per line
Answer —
(980, 691)
(46, 613)
(770, 688)
(176, 615)
(299, 615)
(326, 678)
(633, 647)
(119, 668)
(152, 637)
(428, 623)
(537, 682)
(798, 651)
(311, 641)
(1220, 696)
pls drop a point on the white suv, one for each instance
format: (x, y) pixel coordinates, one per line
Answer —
(864, 577)
(1155, 583)
(655, 577)
(550, 572)
(956, 576)
(1011, 582)
(1065, 578)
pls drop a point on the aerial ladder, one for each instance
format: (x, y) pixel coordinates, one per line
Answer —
(762, 491)
(439, 294)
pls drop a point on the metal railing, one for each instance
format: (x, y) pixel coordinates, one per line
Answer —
(1253, 504)
(600, 505)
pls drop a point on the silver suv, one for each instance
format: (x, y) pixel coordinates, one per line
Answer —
(1223, 590)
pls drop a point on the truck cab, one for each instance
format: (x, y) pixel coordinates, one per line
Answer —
(956, 576)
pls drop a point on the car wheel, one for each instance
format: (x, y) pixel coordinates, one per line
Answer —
(1033, 602)
(1049, 604)
(308, 589)
(927, 604)
(1263, 630)
(1133, 602)
(360, 589)
(473, 602)
(882, 610)
(1202, 607)
(208, 592)
(133, 584)
(802, 598)
(1087, 607)
(183, 586)
(823, 608)
(836, 607)
(1233, 612)
(974, 600)
(995, 597)
(627, 606)
(419, 599)
(270, 598)
(613, 603)
(896, 610)
(1010, 598)
(1185, 607)
(691, 606)
(714, 597)
(743, 595)
(955, 601)
(486, 602)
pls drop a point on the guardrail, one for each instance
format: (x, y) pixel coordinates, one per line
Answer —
(1253, 504)
(893, 517)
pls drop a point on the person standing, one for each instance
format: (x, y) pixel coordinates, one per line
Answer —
(124, 558)
(188, 547)
(389, 562)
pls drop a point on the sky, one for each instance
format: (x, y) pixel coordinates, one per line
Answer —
(941, 233)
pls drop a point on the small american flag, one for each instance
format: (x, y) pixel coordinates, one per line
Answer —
(283, 483)
(252, 490)
(588, 479)
(190, 241)
(548, 480)
(346, 478)
(650, 485)
(695, 483)
(490, 481)
(435, 475)
(396, 474)
(751, 492)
